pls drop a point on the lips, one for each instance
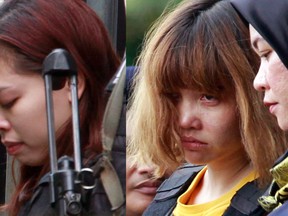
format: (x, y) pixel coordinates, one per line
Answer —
(148, 187)
(12, 148)
(192, 144)
(271, 106)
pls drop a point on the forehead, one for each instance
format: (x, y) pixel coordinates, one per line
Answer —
(10, 76)
(9, 79)
(7, 70)
(253, 33)
(256, 38)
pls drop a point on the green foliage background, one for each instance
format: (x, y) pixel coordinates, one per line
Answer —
(140, 15)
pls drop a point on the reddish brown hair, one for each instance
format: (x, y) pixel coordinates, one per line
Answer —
(32, 29)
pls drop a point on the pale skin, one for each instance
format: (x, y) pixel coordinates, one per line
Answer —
(272, 79)
(23, 123)
(140, 188)
(210, 135)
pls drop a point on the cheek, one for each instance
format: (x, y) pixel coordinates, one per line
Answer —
(224, 128)
(277, 75)
(62, 109)
(31, 109)
(31, 121)
(130, 171)
(223, 121)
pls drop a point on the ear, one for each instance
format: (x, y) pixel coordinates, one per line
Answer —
(81, 86)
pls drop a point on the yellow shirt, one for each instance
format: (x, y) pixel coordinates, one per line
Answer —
(214, 208)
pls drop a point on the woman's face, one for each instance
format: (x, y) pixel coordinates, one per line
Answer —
(272, 79)
(23, 124)
(140, 188)
(209, 127)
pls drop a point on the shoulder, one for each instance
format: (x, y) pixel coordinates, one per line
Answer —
(176, 183)
(245, 201)
(167, 194)
(39, 204)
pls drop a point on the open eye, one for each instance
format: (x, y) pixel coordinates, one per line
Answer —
(209, 99)
(206, 97)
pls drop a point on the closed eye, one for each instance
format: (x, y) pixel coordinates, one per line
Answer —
(9, 104)
(265, 55)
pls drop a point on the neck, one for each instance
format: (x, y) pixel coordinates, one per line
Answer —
(228, 174)
(220, 178)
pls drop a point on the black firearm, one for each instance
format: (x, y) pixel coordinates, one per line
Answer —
(69, 183)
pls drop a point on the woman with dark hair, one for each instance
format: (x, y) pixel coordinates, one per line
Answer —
(29, 31)
(194, 101)
(268, 24)
(141, 188)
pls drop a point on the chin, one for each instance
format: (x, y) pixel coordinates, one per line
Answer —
(194, 159)
(136, 207)
(283, 124)
(284, 128)
(32, 163)
(196, 162)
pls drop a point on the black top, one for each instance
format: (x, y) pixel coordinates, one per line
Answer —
(99, 205)
(270, 19)
(243, 203)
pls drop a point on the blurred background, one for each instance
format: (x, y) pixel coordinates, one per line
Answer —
(140, 15)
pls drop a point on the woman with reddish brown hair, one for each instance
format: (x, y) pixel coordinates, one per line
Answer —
(29, 31)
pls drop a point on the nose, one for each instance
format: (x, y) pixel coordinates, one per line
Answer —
(260, 82)
(4, 125)
(189, 117)
(145, 169)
